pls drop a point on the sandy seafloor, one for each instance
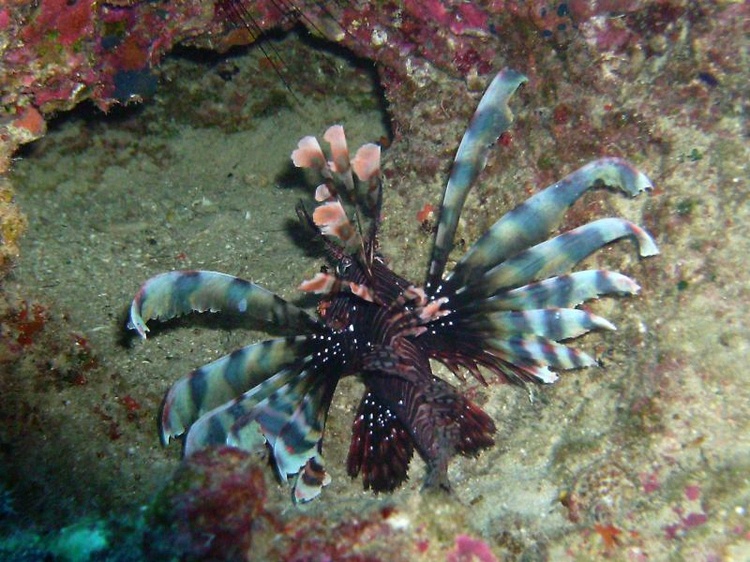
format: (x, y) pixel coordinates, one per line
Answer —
(655, 445)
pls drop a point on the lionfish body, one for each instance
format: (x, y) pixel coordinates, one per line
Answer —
(505, 307)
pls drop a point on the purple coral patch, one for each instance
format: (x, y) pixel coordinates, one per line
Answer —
(469, 549)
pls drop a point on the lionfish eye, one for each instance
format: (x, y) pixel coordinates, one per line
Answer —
(343, 265)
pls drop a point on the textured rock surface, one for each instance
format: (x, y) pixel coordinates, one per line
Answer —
(645, 458)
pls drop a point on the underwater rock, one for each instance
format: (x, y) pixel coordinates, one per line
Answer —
(210, 510)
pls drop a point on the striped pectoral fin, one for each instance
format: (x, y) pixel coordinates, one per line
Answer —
(551, 323)
(522, 373)
(301, 414)
(491, 119)
(234, 423)
(529, 350)
(380, 448)
(562, 291)
(297, 448)
(180, 292)
(288, 413)
(531, 222)
(561, 253)
(223, 380)
(292, 420)
(310, 480)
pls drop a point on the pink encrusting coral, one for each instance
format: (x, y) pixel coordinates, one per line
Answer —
(56, 54)
(469, 549)
(211, 510)
(60, 53)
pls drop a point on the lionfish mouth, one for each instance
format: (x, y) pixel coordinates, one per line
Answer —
(502, 311)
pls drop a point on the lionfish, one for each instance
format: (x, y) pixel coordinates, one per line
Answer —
(504, 309)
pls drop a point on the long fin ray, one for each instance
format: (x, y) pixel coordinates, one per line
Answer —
(223, 380)
(298, 447)
(288, 411)
(292, 420)
(296, 440)
(552, 323)
(223, 425)
(176, 293)
(491, 119)
(539, 351)
(531, 221)
(561, 291)
(559, 254)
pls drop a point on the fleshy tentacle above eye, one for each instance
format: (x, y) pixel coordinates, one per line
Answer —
(492, 118)
(176, 293)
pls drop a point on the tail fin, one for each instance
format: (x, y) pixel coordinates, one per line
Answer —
(440, 420)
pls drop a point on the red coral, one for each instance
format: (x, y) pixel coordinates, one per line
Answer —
(29, 322)
(694, 518)
(64, 21)
(30, 120)
(650, 482)
(426, 213)
(355, 539)
(211, 509)
(609, 534)
(4, 19)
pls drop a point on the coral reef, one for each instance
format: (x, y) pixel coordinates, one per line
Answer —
(57, 54)
(215, 509)
(12, 225)
(468, 549)
(211, 509)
